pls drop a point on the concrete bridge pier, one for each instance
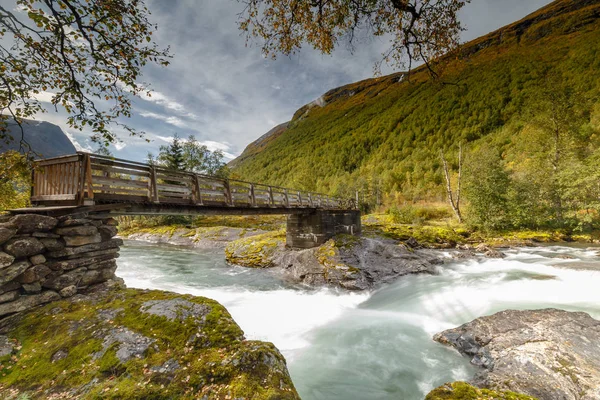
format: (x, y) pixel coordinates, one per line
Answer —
(305, 231)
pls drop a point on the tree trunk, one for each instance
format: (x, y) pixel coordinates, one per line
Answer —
(454, 204)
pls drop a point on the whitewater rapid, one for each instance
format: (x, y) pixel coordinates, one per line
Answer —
(375, 345)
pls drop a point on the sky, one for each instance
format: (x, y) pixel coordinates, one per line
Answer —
(227, 94)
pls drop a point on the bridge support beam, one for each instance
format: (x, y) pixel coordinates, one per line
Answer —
(305, 231)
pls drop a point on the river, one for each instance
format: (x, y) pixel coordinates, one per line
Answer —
(376, 345)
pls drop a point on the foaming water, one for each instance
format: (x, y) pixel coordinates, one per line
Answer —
(378, 345)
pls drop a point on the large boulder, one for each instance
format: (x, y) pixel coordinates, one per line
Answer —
(346, 261)
(126, 344)
(29, 223)
(548, 354)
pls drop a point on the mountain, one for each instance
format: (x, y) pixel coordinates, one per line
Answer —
(385, 134)
(259, 144)
(45, 139)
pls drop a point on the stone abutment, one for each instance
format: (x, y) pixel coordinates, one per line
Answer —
(43, 259)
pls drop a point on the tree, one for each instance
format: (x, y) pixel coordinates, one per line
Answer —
(486, 188)
(453, 198)
(15, 180)
(421, 30)
(103, 150)
(87, 55)
(189, 155)
(171, 156)
(199, 159)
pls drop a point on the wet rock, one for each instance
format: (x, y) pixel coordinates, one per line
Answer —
(548, 354)
(9, 296)
(412, 242)
(7, 274)
(130, 344)
(6, 234)
(110, 222)
(45, 235)
(37, 259)
(53, 244)
(27, 302)
(88, 248)
(5, 259)
(71, 278)
(492, 253)
(59, 355)
(24, 247)
(30, 288)
(107, 232)
(74, 222)
(9, 287)
(7, 346)
(82, 240)
(68, 291)
(34, 273)
(168, 367)
(176, 309)
(88, 260)
(29, 223)
(354, 264)
(77, 231)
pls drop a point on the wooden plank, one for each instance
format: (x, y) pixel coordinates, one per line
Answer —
(120, 182)
(119, 197)
(57, 160)
(173, 188)
(105, 189)
(167, 200)
(54, 197)
(119, 163)
(125, 171)
(174, 195)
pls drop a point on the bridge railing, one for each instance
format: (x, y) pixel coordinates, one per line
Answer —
(85, 178)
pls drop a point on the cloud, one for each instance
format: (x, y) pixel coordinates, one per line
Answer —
(175, 121)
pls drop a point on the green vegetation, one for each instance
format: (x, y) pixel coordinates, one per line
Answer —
(464, 391)
(210, 355)
(523, 102)
(15, 180)
(255, 251)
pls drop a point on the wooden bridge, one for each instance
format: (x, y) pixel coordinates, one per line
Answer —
(100, 184)
(86, 179)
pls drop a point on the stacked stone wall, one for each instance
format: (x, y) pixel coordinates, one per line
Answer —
(44, 259)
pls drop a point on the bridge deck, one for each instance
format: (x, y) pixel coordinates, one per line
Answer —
(128, 187)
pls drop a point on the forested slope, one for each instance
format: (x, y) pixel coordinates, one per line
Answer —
(498, 96)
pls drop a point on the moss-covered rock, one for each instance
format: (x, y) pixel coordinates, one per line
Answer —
(134, 344)
(464, 391)
(256, 251)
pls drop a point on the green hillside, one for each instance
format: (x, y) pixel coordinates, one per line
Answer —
(498, 96)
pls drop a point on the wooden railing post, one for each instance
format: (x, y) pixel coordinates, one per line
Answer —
(197, 190)
(299, 199)
(310, 200)
(153, 185)
(286, 198)
(271, 199)
(228, 197)
(252, 196)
